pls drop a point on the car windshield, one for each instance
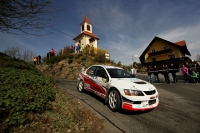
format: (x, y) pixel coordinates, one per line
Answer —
(118, 73)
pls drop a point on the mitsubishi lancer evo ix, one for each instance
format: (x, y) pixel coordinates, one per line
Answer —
(119, 89)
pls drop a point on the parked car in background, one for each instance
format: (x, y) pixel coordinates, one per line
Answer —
(119, 89)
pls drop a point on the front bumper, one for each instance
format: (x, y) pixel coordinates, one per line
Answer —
(142, 105)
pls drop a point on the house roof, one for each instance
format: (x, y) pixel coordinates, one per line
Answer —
(181, 44)
(86, 20)
(87, 33)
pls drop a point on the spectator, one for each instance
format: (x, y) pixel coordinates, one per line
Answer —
(124, 67)
(173, 71)
(71, 49)
(184, 71)
(189, 68)
(194, 77)
(133, 72)
(149, 72)
(198, 70)
(52, 52)
(163, 72)
(155, 73)
(39, 58)
(78, 48)
(82, 47)
(34, 60)
(48, 55)
(166, 74)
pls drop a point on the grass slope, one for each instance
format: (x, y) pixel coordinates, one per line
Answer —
(31, 102)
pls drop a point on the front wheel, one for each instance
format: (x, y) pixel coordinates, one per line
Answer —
(114, 100)
(80, 86)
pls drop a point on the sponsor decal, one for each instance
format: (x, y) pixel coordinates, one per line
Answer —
(104, 80)
(87, 85)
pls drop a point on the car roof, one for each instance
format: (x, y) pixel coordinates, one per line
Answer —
(106, 66)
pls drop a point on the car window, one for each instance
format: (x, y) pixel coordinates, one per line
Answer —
(118, 73)
(91, 71)
(100, 72)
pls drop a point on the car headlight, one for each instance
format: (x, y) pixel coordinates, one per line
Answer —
(131, 92)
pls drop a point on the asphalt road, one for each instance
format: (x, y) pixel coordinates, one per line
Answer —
(178, 111)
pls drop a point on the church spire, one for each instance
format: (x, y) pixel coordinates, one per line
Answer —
(86, 20)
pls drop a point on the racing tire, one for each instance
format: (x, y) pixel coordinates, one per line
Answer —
(114, 100)
(80, 86)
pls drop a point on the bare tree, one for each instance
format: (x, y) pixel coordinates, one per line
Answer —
(27, 16)
(16, 52)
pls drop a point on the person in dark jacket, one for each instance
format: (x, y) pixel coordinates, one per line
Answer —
(163, 72)
(166, 74)
(155, 73)
(39, 59)
(189, 68)
(149, 72)
(173, 71)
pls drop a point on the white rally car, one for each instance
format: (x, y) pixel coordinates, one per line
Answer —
(118, 88)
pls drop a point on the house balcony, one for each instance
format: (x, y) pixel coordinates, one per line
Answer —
(168, 62)
(160, 52)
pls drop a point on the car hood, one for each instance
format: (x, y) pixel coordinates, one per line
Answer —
(132, 83)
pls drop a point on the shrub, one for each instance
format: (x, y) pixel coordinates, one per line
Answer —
(23, 90)
(71, 56)
(65, 51)
(56, 59)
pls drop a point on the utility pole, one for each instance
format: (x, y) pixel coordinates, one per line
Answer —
(133, 59)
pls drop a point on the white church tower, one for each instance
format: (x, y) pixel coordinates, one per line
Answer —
(86, 37)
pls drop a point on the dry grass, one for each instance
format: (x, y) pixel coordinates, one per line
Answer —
(66, 116)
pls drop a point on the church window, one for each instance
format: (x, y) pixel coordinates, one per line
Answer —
(91, 40)
(88, 27)
(82, 27)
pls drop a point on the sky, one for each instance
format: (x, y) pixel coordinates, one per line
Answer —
(125, 27)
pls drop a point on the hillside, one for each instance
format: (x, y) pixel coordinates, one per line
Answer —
(69, 66)
(31, 101)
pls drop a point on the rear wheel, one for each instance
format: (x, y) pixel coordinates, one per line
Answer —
(114, 100)
(80, 86)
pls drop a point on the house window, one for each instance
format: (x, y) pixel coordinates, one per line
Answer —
(153, 59)
(88, 27)
(82, 27)
(153, 50)
(165, 47)
(171, 56)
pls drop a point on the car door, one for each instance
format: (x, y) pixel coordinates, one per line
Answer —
(101, 80)
(89, 79)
